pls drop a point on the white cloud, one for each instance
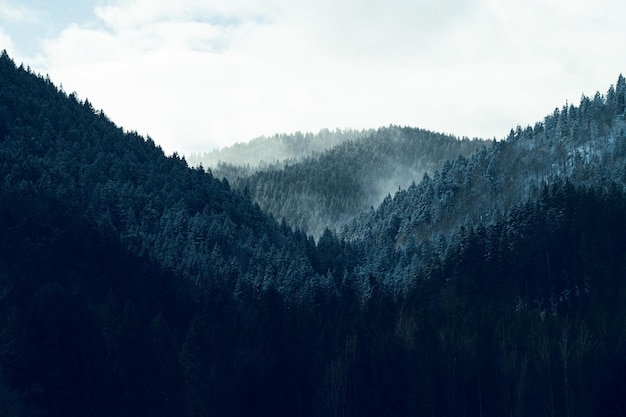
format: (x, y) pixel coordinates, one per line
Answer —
(5, 42)
(198, 74)
(133, 13)
(18, 13)
(11, 16)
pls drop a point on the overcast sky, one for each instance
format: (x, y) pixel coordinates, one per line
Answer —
(200, 74)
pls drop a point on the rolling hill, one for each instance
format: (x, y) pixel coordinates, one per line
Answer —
(329, 188)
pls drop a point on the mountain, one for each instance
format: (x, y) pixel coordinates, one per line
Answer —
(132, 284)
(105, 241)
(270, 152)
(182, 218)
(582, 145)
(329, 188)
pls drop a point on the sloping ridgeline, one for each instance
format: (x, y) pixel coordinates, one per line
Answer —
(263, 153)
(156, 206)
(328, 189)
(133, 285)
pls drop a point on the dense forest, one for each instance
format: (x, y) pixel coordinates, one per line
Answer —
(133, 284)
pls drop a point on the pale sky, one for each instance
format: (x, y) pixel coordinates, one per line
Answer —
(198, 74)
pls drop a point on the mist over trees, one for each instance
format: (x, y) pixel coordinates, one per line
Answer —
(132, 284)
(327, 189)
(271, 152)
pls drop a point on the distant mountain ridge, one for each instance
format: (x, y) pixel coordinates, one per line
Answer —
(273, 151)
(328, 188)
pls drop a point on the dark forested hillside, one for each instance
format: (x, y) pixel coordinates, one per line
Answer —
(190, 222)
(131, 284)
(330, 188)
(87, 328)
(97, 221)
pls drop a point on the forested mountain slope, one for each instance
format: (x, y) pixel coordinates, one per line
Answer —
(87, 327)
(183, 218)
(98, 225)
(585, 145)
(327, 190)
(131, 284)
